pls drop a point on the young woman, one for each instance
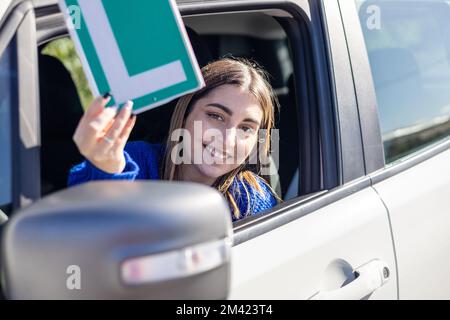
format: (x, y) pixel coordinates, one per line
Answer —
(213, 134)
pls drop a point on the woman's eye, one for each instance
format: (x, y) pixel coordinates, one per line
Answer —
(247, 129)
(215, 116)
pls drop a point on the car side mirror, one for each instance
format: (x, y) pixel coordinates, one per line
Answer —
(120, 240)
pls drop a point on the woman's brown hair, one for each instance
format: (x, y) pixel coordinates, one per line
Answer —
(245, 74)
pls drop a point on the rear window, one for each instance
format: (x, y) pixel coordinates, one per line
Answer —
(408, 43)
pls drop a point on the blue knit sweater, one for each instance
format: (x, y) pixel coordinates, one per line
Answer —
(142, 161)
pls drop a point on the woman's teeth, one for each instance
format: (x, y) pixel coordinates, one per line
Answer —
(215, 154)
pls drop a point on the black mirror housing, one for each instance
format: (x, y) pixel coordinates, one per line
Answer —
(120, 240)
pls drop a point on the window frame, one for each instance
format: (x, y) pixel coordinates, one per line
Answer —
(324, 162)
(299, 10)
(339, 121)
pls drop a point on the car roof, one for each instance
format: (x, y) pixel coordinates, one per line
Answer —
(7, 5)
(4, 5)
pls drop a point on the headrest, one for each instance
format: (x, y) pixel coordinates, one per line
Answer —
(201, 50)
(60, 104)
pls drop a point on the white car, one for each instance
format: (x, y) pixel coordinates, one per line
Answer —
(364, 163)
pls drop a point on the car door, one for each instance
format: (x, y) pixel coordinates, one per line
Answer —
(305, 252)
(333, 244)
(17, 128)
(409, 52)
(20, 105)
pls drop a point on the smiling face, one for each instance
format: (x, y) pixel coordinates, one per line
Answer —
(223, 127)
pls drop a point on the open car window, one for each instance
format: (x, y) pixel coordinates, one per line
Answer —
(254, 35)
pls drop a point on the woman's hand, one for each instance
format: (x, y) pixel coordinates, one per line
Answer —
(101, 135)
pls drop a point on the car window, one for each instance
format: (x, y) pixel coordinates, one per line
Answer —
(408, 44)
(8, 99)
(251, 35)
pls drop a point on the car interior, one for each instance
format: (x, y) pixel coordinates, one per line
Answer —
(254, 35)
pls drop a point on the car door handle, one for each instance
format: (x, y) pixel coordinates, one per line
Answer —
(369, 278)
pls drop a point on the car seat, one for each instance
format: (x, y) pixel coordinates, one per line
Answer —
(60, 111)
